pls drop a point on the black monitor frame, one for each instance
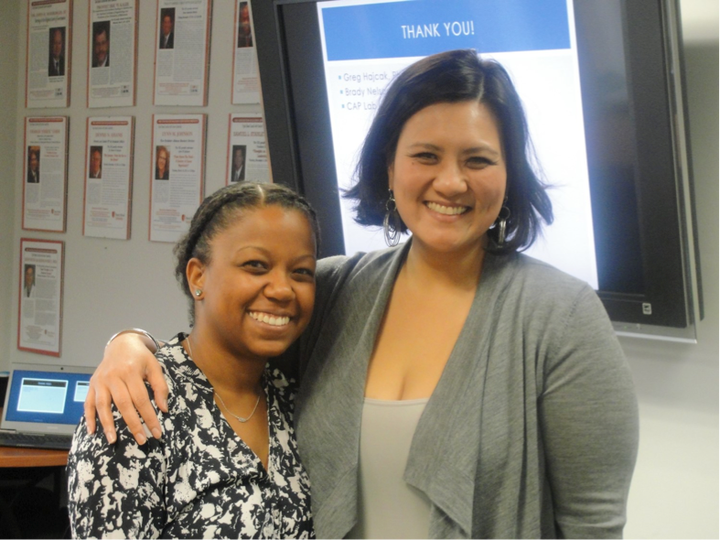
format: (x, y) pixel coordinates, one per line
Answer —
(661, 239)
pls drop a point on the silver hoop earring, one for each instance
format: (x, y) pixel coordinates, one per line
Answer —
(391, 222)
(501, 224)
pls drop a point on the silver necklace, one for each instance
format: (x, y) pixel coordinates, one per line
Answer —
(238, 418)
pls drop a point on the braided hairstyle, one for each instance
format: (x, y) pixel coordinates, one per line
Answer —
(221, 209)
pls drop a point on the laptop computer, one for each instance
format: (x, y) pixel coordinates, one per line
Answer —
(43, 405)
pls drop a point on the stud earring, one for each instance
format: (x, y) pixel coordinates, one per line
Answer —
(198, 292)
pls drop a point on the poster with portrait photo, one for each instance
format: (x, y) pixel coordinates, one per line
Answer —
(107, 199)
(246, 81)
(44, 177)
(177, 174)
(47, 71)
(112, 58)
(40, 296)
(247, 150)
(182, 53)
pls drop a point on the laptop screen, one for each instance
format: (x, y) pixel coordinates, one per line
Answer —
(46, 397)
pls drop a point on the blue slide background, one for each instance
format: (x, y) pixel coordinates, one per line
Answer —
(375, 30)
(73, 409)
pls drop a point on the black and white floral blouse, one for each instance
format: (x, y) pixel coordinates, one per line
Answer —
(200, 480)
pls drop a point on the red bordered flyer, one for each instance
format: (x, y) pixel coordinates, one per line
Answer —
(182, 52)
(44, 176)
(177, 174)
(247, 150)
(40, 296)
(112, 58)
(108, 177)
(245, 79)
(47, 66)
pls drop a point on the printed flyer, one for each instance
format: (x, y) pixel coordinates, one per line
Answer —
(112, 62)
(40, 305)
(47, 71)
(177, 175)
(183, 50)
(246, 81)
(45, 173)
(108, 177)
(247, 150)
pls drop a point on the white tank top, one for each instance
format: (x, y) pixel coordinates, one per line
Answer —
(387, 506)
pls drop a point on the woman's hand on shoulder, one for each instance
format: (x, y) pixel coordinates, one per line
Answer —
(120, 378)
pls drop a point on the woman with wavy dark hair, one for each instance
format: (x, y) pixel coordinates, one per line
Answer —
(451, 387)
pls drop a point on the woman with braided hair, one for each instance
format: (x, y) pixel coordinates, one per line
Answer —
(227, 464)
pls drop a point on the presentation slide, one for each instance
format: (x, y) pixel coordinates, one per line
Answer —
(55, 397)
(366, 43)
(81, 390)
(42, 395)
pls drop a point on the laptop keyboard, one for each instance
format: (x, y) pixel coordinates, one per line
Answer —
(59, 442)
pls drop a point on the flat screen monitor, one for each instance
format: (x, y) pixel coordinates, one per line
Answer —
(601, 84)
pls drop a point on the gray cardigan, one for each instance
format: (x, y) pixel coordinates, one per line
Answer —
(532, 430)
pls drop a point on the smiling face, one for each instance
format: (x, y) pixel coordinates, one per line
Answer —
(449, 175)
(259, 285)
(101, 47)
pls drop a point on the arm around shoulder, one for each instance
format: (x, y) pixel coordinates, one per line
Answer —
(120, 379)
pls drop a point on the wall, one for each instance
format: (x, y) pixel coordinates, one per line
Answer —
(675, 488)
(114, 284)
(9, 44)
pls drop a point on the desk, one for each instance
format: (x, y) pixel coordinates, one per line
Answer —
(32, 457)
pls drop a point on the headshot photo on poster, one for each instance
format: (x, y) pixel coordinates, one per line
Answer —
(33, 170)
(95, 165)
(238, 163)
(162, 163)
(167, 28)
(29, 281)
(101, 44)
(56, 56)
(245, 38)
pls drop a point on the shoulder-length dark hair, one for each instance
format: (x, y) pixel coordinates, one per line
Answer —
(451, 77)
